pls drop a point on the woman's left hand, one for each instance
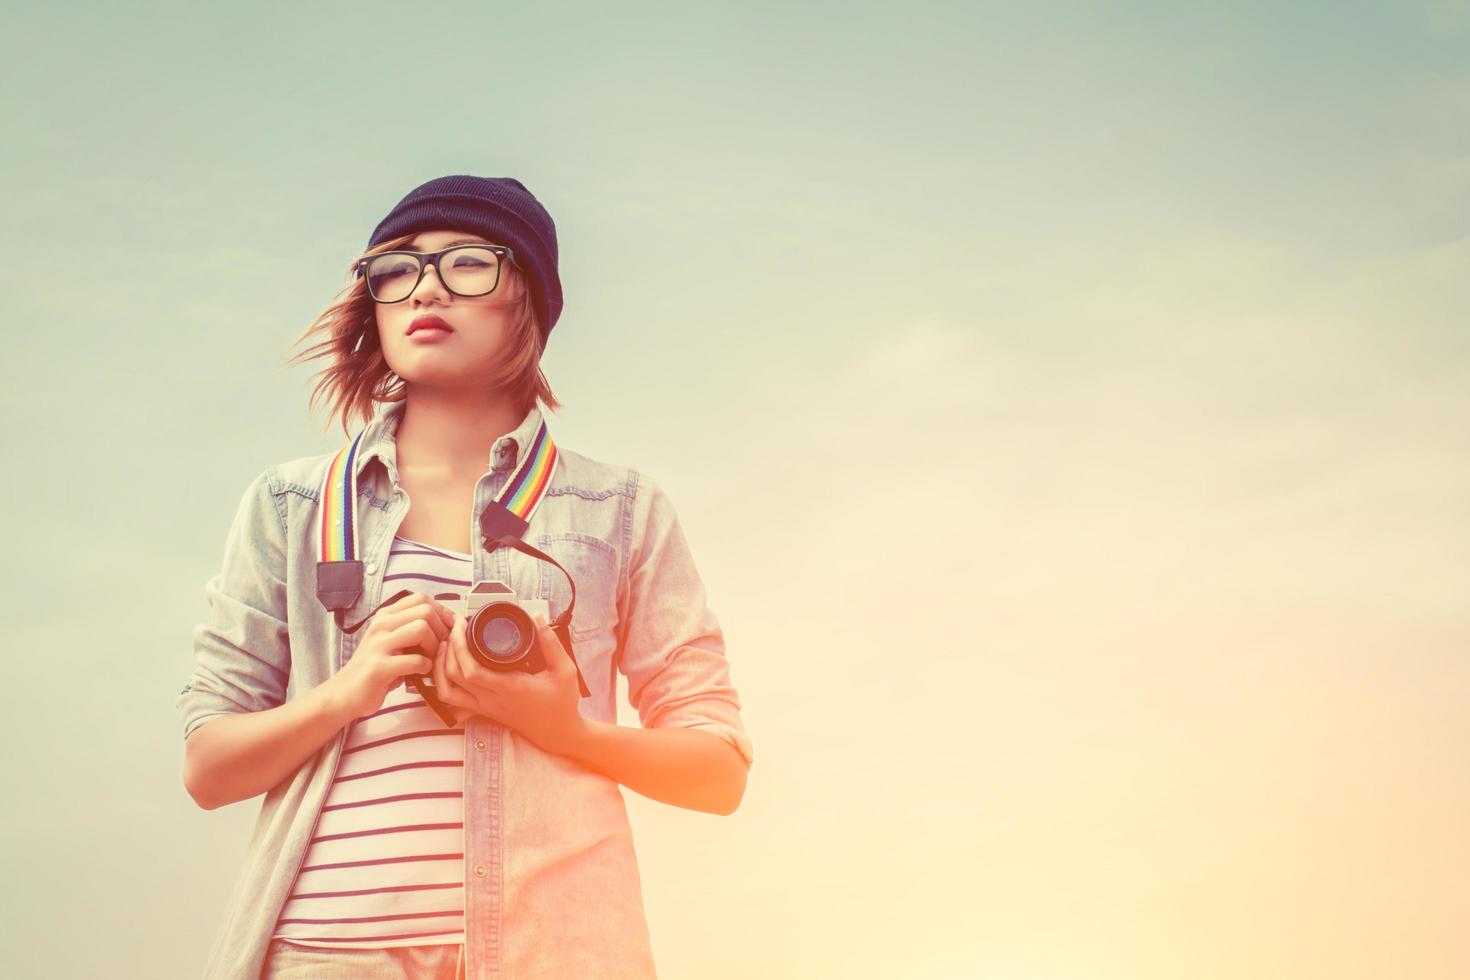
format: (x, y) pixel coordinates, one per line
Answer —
(540, 706)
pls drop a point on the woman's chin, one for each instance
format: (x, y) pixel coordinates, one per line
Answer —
(427, 378)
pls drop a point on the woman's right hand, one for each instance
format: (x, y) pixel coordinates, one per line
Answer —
(401, 639)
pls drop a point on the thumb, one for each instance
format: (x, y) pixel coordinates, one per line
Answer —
(556, 656)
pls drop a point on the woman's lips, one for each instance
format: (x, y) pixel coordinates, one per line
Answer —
(428, 326)
(426, 321)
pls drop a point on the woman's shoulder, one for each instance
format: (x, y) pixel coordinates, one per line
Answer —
(302, 475)
(639, 498)
(582, 475)
(623, 502)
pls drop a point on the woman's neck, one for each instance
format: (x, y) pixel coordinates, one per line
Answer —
(447, 434)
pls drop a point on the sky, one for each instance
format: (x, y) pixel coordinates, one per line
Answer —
(1065, 403)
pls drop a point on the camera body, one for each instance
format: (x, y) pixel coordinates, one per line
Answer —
(500, 627)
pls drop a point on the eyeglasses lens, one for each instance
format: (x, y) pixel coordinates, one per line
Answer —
(468, 271)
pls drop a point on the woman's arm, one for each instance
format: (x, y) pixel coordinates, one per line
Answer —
(237, 756)
(235, 700)
(672, 651)
(682, 766)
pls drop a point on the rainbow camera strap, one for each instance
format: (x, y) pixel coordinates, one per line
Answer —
(339, 571)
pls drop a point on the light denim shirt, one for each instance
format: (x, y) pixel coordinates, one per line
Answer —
(551, 881)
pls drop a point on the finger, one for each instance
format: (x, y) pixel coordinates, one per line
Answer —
(415, 636)
(418, 612)
(457, 654)
(458, 698)
(448, 686)
(487, 682)
(451, 665)
(384, 621)
(542, 628)
(410, 664)
(441, 683)
(459, 650)
(558, 660)
(444, 682)
(431, 615)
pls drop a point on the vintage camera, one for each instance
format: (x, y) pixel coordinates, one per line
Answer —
(500, 627)
(501, 633)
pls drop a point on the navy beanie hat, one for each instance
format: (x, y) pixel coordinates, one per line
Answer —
(497, 208)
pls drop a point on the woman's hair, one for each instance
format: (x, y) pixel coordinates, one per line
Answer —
(358, 375)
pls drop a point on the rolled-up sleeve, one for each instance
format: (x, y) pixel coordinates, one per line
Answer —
(671, 647)
(242, 650)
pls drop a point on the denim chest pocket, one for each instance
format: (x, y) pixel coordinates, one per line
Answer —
(593, 565)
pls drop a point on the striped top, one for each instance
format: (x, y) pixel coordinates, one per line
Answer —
(385, 866)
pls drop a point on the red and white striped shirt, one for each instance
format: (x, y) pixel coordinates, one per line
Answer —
(385, 866)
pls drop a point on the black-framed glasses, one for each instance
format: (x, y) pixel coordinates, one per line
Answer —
(465, 270)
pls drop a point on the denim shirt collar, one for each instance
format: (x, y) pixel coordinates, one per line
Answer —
(380, 440)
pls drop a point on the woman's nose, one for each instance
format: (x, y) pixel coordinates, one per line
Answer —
(437, 287)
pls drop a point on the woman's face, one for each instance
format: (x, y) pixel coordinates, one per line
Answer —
(479, 326)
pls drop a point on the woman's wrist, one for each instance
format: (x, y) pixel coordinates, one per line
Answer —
(328, 702)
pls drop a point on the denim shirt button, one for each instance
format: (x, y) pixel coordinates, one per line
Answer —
(503, 454)
(479, 871)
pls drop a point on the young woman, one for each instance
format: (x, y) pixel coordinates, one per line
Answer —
(427, 812)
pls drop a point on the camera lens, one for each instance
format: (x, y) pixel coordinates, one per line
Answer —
(500, 634)
(501, 637)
